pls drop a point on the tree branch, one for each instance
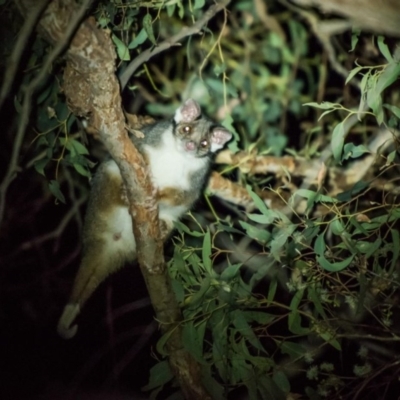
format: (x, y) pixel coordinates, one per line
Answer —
(172, 41)
(379, 16)
(337, 179)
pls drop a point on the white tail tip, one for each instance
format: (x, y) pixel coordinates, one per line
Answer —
(64, 328)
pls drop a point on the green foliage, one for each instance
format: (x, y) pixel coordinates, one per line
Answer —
(374, 81)
(341, 261)
(54, 142)
(219, 322)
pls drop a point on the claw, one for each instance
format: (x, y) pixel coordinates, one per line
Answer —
(64, 328)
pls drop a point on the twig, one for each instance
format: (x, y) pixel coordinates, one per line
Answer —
(270, 22)
(19, 48)
(369, 378)
(172, 41)
(57, 232)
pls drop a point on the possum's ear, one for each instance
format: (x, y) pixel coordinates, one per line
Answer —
(189, 111)
(219, 137)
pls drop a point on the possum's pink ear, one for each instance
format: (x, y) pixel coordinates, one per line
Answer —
(189, 111)
(219, 137)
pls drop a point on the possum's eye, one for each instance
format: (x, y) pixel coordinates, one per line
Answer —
(204, 144)
(187, 130)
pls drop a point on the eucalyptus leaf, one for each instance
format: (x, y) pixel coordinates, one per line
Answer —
(182, 227)
(279, 240)
(78, 147)
(206, 252)
(195, 262)
(264, 269)
(348, 194)
(395, 248)
(260, 317)
(199, 295)
(213, 387)
(228, 124)
(244, 329)
(352, 74)
(384, 49)
(364, 85)
(337, 227)
(270, 389)
(294, 319)
(139, 39)
(231, 272)
(148, 27)
(122, 49)
(326, 105)
(394, 109)
(161, 344)
(258, 201)
(314, 196)
(390, 158)
(181, 10)
(178, 289)
(295, 324)
(325, 113)
(198, 4)
(374, 95)
(40, 165)
(338, 141)
(281, 380)
(352, 151)
(160, 374)
(192, 342)
(81, 169)
(261, 218)
(354, 38)
(314, 296)
(219, 353)
(328, 337)
(372, 247)
(54, 187)
(294, 350)
(221, 226)
(272, 290)
(171, 9)
(242, 372)
(334, 267)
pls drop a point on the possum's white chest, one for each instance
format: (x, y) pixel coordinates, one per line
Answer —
(170, 165)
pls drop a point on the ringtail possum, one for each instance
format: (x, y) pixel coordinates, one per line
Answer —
(178, 154)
